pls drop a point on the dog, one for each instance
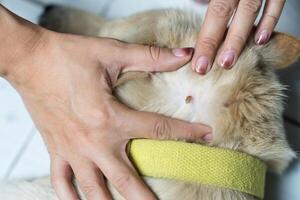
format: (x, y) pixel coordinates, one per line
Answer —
(243, 105)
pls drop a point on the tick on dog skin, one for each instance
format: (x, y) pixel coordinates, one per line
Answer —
(188, 99)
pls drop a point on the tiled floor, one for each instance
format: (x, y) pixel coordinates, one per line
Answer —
(22, 153)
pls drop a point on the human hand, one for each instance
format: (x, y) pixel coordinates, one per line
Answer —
(214, 28)
(66, 84)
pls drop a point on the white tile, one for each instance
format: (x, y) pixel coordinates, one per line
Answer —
(24, 8)
(34, 161)
(15, 125)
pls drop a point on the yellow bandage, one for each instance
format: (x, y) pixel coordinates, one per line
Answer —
(199, 164)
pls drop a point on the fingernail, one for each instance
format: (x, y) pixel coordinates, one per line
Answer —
(182, 52)
(227, 59)
(202, 65)
(207, 137)
(263, 37)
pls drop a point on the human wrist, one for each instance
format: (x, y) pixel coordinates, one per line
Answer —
(20, 41)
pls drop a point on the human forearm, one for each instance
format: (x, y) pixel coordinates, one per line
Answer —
(19, 41)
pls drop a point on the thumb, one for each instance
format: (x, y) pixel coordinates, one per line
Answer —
(154, 59)
(156, 126)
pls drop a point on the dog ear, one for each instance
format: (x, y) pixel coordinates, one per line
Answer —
(281, 51)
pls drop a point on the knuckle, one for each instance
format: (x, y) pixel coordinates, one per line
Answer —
(55, 181)
(122, 181)
(115, 43)
(102, 118)
(162, 129)
(88, 188)
(274, 19)
(190, 135)
(238, 39)
(251, 6)
(209, 43)
(154, 53)
(221, 8)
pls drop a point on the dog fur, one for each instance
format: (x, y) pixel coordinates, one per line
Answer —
(243, 105)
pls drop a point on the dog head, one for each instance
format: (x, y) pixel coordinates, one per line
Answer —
(249, 112)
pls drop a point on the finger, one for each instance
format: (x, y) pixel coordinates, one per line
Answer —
(202, 1)
(211, 34)
(154, 59)
(271, 14)
(91, 180)
(151, 125)
(61, 179)
(238, 32)
(122, 175)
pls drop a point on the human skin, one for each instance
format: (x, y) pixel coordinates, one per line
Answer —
(214, 29)
(66, 83)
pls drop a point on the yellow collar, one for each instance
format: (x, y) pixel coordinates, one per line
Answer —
(199, 164)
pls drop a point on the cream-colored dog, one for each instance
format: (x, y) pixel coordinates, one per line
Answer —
(243, 105)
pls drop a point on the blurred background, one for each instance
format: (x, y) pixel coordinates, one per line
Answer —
(22, 152)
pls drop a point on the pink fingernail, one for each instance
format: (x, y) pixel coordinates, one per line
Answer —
(207, 137)
(227, 59)
(202, 65)
(182, 52)
(263, 37)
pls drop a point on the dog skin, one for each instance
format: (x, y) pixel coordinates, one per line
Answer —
(243, 105)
